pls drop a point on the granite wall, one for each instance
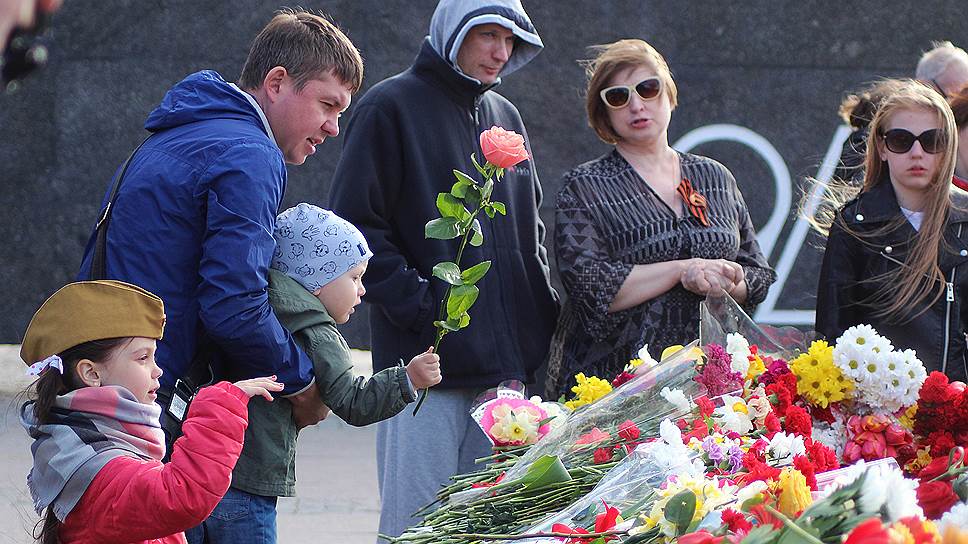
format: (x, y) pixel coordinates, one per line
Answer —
(759, 86)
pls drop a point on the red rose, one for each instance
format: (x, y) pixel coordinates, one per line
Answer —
(798, 421)
(868, 532)
(503, 148)
(937, 467)
(936, 498)
(627, 430)
(603, 455)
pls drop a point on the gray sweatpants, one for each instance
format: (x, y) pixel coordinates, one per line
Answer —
(415, 455)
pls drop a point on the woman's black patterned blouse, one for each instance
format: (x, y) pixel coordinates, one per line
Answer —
(607, 220)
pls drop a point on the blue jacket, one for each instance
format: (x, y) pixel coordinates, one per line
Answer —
(193, 224)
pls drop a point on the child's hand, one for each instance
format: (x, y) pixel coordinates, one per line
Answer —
(424, 369)
(260, 386)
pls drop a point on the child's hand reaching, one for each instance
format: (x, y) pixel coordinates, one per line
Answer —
(260, 386)
(424, 369)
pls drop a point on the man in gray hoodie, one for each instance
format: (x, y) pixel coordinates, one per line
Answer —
(404, 139)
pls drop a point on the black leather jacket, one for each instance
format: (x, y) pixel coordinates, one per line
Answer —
(850, 265)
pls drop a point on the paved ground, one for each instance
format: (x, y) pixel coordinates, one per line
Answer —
(336, 469)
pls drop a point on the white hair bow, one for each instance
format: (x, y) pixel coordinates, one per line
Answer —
(52, 361)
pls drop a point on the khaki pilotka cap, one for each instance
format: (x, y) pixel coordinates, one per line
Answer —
(91, 310)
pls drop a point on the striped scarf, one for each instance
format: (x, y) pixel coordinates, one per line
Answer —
(87, 428)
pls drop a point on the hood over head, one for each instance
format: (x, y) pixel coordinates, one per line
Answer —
(454, 18)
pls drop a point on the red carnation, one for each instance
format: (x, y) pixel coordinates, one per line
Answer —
(823, 414)
(627, 430)
(604, 455)
(783, 398)
(706, 406)
(772, 424)
(622, 378)
(940, 442)
(797, 421)
(822, 457)
(935, 389)
(801, 463)
(736, 522)
(936, 498)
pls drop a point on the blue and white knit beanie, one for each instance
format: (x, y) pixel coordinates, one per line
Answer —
(315, 246)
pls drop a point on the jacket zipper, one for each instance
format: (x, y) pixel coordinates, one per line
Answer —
(949, 299)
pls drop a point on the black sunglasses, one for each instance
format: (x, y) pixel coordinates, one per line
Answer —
(618, 96)
(899, 140)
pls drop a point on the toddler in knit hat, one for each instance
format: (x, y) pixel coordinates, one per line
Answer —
(315, 282)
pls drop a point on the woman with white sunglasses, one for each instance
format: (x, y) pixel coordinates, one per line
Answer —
(645, 232)
(897, 252)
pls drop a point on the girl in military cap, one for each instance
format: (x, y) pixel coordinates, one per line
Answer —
(97, 474)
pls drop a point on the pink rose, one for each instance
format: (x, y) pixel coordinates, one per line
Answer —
(503, 148)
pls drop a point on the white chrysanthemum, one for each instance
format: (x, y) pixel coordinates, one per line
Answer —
(956, 517)
(901, 500)
(916, 374)
(880, 344)
(849, 359)
(872, 492)
(738, 349)
(864, 337)
(677, 398)
(670, 433)
(783, 448)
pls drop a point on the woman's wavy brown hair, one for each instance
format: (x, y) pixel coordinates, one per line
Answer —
(920, 279)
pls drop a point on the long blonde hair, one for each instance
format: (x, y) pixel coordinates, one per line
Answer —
(920, 279)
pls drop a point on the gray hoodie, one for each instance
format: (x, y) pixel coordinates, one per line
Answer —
(454, 18)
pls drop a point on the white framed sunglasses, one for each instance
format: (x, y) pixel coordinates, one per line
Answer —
(618, 96)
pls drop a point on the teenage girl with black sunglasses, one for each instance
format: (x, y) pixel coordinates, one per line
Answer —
(896, 254)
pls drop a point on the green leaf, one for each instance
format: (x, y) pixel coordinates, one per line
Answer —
(473, 274)
(460, 300)
(792, 537)
(449, 206)
(547, 470)
(448, 272)
(489, 210)
(499, 207)
(680, 510)
(459, 190)
(456, 323)
(443, 228)
(478, 166)
(477, 238)
(446, 326)
(464, 178)
(473, 197)
(760, 535)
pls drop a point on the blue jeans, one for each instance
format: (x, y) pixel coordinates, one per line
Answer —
(238, 517)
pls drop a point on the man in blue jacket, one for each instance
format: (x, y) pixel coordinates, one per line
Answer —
(194, 216)
(405, 137)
